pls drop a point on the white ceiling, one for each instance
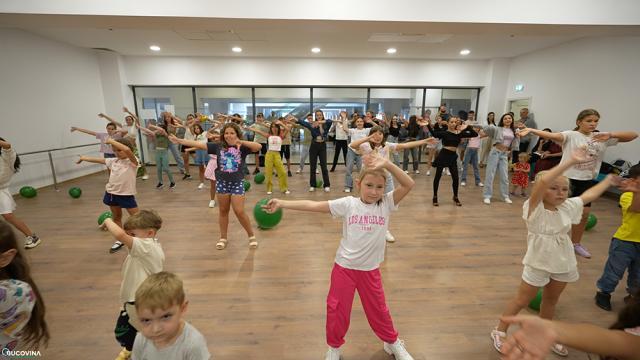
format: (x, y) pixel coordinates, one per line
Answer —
(294, 38)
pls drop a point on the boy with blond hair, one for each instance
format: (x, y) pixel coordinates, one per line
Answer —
(164, 334)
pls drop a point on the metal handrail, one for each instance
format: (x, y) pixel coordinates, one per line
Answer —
(53, 169)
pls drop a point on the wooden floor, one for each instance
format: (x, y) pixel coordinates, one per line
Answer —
(446, 278)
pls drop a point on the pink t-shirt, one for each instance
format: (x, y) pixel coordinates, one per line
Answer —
(122, 180)
(474, 142)
(104, 147)
(507, 137)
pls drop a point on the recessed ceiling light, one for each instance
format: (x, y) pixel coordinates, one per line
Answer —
(465, 52)
(236, 49)
(315, 50)
(391, 50)
(154, 47)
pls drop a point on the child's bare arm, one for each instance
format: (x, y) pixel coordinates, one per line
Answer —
(301, 205)
(109, 119)
(91, 160)
(88, 132)
(118, 233)
(124, 148)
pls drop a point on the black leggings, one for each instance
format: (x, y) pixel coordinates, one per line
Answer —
(454, 180)
(318, 151)
(339, 145)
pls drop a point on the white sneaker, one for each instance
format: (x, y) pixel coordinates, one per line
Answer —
(287, 192)
(269, 192)
(212, 203)
(347, 190)
(327, 189)
(487, 201)
(508, 201)
(406, 171)
(446, 171)
(298, 171)
(145, 177)
(317, 171)
(201, 186)
(463, 183)
(389, 237)
(31, 241)
(480, 184)
(312, 189)
(398, 350)
(332, 354)
(428, 172)
(417, 171)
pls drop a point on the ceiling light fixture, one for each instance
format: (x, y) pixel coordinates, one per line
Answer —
(154, 47)
(315, 50)
(465, 52)
(236, 49)
(391, 50)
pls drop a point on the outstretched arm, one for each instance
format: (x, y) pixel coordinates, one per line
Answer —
(257, 131)
(301, 205)
(146, 131)
(5, 145)
(158, 129)
(557, 137)
(252, 145)
(622, 136)
(405, 182)
(109, 119)
(412, 144)
(118, 233)
(88, 132)
(355, 145)
(190, 143)
(135, 118)
(536, 336)
(91, 160)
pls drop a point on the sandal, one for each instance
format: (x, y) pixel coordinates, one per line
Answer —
(253, 243)
(221, 244)
(458, 203)
(560, 349)
(498, 338)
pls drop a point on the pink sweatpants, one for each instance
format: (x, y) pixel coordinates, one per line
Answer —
(344, 282)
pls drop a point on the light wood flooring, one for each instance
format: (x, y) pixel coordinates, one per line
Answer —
(446, 278)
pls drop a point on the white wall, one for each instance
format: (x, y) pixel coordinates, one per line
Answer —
(150, 70)
(599, 73)
(46, 88)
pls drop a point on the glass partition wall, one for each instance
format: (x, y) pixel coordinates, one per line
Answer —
(274, 102)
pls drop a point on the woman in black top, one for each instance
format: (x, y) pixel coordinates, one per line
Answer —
(447, 158)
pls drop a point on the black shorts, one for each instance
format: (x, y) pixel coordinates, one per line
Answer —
(125, 332)
(578, 187)
(285, 151)
(264, 149)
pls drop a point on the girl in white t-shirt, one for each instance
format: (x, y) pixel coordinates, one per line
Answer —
(21, 305)
(550, 262)
(120, 191)
(361, 250)
(353, 159)
(582, 175)
(277, 131)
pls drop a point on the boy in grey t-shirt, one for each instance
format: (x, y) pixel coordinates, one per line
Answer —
(163, 334)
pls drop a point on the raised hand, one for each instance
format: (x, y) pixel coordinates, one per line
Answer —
(374, 161)
(80, 159)
(627, 184)
(73, 128)
(524, 131)
(124, 108)
(431, 140)
(174, 139)
(602, 136)
(101, 115)
(271, 206)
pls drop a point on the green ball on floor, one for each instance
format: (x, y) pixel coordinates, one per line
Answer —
(319, 183)
(259, 178)
(592, 220)
(535, 303)
(28, 192)
(75, 192)
(246, 185)
(104, 216)
(264, 219)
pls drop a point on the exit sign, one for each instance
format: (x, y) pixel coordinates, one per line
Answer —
(519, 87)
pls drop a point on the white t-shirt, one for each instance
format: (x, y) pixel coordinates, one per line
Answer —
(274, 143)
(188, 134)
(357, 134)
(122, 179)
(145, 258)
(549, 245)
(575, 140)
(341, 130)
(16, 304)
(363, 231)
(384, 151)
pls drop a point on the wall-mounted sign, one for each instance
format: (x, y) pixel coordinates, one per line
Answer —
(519, 87)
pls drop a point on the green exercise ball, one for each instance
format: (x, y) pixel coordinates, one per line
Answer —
(319, 183)
(104, 216)
(592, 220)
(264, 219)
(28, 192)
(246, 185)
(259, 178)
(75, 192)
(535, 303)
